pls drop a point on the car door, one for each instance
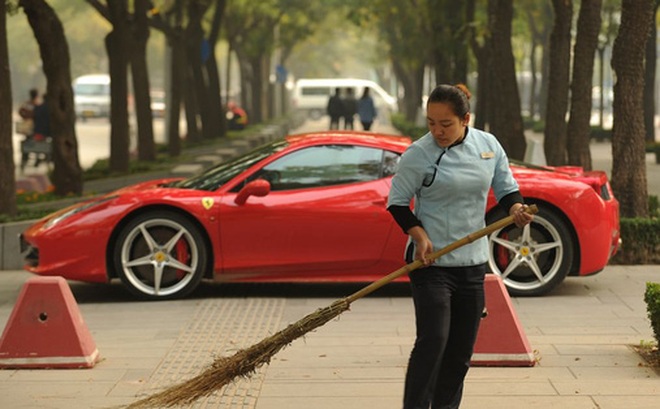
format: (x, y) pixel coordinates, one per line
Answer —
(326, 212)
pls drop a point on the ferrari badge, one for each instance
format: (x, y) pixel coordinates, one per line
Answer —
(207, 202)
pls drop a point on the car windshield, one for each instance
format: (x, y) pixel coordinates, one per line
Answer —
(217, 176)
(92, 89)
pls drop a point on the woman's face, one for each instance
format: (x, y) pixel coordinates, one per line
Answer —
(445, 126)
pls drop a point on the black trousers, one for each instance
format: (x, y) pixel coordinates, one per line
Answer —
(449, 302)
(348, 122)
(334, 122)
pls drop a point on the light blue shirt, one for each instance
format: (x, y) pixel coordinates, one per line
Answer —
(454, 203)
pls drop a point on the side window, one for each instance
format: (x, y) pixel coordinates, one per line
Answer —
(390, 163)
(326, 165)
(323, 91)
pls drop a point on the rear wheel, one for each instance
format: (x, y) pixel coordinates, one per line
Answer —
(160, 255)
(535, 259)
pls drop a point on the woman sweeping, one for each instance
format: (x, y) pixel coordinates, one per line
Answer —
(449, 172)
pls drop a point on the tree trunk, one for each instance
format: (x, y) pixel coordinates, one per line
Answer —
(54, 51)
(586, 42)
(190, 102)
(539, 28)
(531, 109)
(449, 48)
(554, 143)
(441, 49)
(482, 107)
(118, 58)
(266, 89)
(628, 150)
(412, 85)
(480, 53)
(649, 78)
(177, 45)
(545, 67)
(601, 86)
(194, 41)
(246, 80)
(506, 121)
(140, 75)
(461, 56)
(7, 166)
(219, 120)
(258, 92)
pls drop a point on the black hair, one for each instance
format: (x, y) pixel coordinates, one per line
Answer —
(458, 96)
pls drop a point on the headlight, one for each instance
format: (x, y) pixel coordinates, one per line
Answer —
(52, 222)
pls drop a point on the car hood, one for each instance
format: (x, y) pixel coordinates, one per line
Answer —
(148, 185)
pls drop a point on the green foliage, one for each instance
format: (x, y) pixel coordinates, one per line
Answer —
(26, 198)
(535, 125)
(641, 241)
(601, 134)
(25, 214)
(101, 168)
(407, 128)
(654, 207)
(652, 299)
(654, 148)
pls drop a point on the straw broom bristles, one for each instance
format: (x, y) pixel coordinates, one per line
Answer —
(244, 362)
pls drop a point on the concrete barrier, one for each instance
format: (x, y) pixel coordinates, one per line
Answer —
(10, 252)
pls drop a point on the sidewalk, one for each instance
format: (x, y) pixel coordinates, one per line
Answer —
(581, 334)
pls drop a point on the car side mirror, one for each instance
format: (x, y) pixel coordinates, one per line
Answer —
(258, 187)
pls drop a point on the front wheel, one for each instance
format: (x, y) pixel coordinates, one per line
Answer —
(160, 255)
(535, 259)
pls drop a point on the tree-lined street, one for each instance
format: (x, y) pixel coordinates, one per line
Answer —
(255, 52)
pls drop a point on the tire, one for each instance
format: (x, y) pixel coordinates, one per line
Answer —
(534, 260)
(157, 267)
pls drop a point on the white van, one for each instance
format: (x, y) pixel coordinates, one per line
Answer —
(91, 96)
(311, 95)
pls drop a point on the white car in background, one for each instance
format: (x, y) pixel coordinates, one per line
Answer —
(312, 94)
(92, 96)
(158, 105)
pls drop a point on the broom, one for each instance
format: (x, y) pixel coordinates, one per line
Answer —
(246, 361)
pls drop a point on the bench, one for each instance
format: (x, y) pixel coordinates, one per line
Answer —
(40, 150)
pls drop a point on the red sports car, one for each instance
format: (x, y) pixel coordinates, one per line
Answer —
(307, 208)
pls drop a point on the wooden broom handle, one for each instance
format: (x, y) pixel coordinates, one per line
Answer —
(532, 209)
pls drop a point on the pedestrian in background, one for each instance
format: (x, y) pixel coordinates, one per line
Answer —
(366, 110)
(26, 124)
(335, 109)
(41, 128)
(236, 117)
(26, 110)
(448, 172)
(41, 120)
(350, 108)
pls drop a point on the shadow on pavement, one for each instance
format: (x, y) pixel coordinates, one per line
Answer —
(89, 293)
